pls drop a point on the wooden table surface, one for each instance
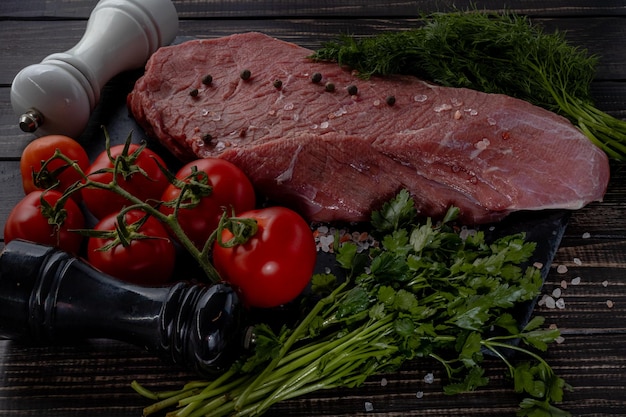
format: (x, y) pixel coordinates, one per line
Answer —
(92, 378)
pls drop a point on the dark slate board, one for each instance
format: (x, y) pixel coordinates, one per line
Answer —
(546, 228)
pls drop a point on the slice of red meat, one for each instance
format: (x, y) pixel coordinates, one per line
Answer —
(337, 155)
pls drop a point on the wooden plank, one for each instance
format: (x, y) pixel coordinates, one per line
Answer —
(605, 218)
(92, 378)
(38, 41)
(80, 9)
(95, 377)
(12, 139)
(12, 191)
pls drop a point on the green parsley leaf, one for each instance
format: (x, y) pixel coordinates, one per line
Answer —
(395, 213)
(356, 301)
(323, 284)
(474, 379)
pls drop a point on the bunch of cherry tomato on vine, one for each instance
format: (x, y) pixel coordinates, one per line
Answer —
(145, 215)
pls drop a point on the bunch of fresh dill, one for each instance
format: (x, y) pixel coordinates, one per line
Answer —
(490, 52)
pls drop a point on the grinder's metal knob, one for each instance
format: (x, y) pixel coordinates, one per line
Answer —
(30, 121)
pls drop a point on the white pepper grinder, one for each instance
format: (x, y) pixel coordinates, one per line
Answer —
(58, 95)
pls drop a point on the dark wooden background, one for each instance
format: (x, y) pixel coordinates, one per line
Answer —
(92, 378)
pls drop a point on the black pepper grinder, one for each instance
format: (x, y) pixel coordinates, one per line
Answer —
(49, 296)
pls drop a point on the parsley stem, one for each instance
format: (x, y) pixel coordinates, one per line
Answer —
(354, 350)
(300, 330)
(492, 344)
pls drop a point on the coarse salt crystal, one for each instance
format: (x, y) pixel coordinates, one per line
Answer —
(556, 293)
(482, 144)
(561, 269)
(340, 112)
(605, 283)
(419, 394)
(564, 284)
(442, 107)
(465, 233)
(429, 378)
(609, 303)
(586, 235)
(324, 125)
(383, 382)
(559, 340)
(575, 281)
(420, 98)
(538, 265)
(326, 242)
(369, 406)
(458, 115)
(550, 302)
(560, 304)
(577, 261)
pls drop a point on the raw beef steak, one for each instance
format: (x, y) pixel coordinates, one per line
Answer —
(337, 153)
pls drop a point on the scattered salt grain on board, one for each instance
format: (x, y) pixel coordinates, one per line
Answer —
(560, 304)
(325, 238)
(575, 281)
(419, 394)
(605, 284)
(559, 340)
(577, 261)
(609, 303)
(586, 235)
(369, 406)
(429, 378)
(556, 293)
(561, 269)
(550, 302)
(383, 382)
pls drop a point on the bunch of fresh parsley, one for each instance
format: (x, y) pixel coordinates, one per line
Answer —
(425, 292)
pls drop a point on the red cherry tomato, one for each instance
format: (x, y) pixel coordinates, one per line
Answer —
(42, 149)
(142, 261)
(231, 190)
(276, 264)
(145, 186)
(43, 223)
